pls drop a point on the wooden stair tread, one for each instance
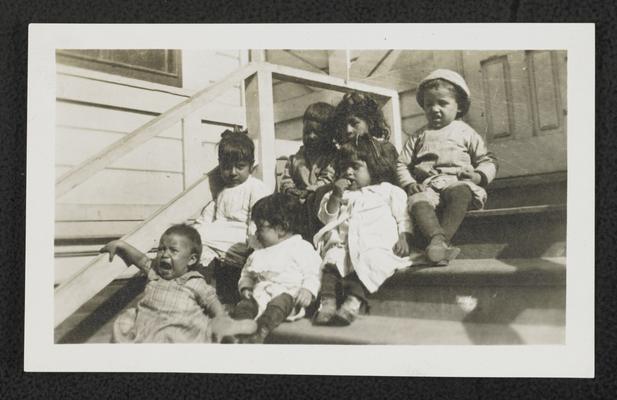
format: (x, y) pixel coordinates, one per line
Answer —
(371, 329)
(489, 271)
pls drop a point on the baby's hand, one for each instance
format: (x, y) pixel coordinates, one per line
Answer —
(401, 247)
(114, 247)
(304, 298)
(247, 293)
(414, 188)
(341, 185)
(468, 174)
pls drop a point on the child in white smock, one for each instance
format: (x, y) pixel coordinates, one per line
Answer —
(281, 279)
(225, 224)
(366, 233)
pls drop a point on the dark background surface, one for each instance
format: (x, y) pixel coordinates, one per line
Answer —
(14, 19)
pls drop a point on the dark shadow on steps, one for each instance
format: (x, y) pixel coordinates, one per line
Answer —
(92, 316)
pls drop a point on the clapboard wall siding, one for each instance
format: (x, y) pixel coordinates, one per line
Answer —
(95, 109)
(124, 186)
(103, 212)
(93, 117)
(158, 154)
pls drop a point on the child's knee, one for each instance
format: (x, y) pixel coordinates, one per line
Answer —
(459, 193)
(418, 200)
(283, 301)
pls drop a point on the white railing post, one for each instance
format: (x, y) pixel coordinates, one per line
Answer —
(191, 149)
(260, 123)
(392, 114)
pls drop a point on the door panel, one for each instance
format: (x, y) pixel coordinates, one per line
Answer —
(518, 106)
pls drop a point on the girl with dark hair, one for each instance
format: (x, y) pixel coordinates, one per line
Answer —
(366, 233)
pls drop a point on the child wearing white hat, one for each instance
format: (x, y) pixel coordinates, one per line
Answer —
(445, 165)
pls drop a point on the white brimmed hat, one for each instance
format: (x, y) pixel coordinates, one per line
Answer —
(450, 76)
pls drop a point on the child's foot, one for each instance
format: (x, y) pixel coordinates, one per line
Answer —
(349, 311)
(256, 338)
(451, 254)
(326, 311)
(225, 328)
(438, 249)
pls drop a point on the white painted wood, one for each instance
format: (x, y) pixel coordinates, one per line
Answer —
(200, 68)
(92, 117)
(388, 63)
(89, 167)
(93, 229)
(73, 146)
(93, 277)
(257, 55)
(69, 70)
(260, 123)
(285, 91)
(324, 81)
(283, 57)
(102, 212)
(364, 62)
(119, 94)
(392, 114)
(294, 108)
(191, 149)
(121, 186)
(337, 63)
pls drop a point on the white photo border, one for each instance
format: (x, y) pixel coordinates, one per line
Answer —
(573, 359)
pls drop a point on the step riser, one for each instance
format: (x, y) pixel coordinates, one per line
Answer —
(516, 236)
(521, 305)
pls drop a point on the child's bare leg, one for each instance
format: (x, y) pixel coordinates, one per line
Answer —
(456, 200)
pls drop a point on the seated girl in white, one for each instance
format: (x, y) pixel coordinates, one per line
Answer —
(367, 229)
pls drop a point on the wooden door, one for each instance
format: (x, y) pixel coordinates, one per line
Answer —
(519, 106)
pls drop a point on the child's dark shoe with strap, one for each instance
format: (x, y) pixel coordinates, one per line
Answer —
(349, 311)
(326, 311)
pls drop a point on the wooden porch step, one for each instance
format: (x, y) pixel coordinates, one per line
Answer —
(506, 291)
(516, 301)
(513, 232)
(391, 330)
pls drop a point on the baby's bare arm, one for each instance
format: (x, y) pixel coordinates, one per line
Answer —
(129, 254)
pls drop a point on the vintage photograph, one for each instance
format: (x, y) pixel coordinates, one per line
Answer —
(311, 196)
(342, 164)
